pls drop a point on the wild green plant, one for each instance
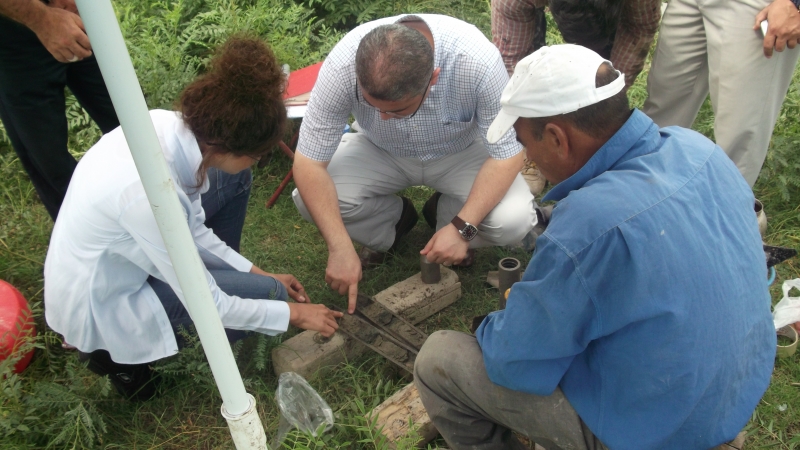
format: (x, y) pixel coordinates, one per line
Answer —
(345, 14)
(170, 41)
(56, 413)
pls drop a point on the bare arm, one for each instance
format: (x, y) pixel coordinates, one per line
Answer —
(490, 186)
(319, 195)
(57, 26)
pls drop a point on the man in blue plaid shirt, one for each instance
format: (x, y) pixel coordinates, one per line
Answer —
(424, 90)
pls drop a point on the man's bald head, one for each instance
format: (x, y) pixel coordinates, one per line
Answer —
(394, 62)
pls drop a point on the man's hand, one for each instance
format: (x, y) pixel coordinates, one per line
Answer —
(446, 246)
(343, 274)
(69, 5)
(63, 35)
(784, 26)
(57, 26)
(314, 317)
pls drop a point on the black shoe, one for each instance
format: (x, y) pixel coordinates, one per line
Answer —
(408, 218)
(132, 381)
(430, 208)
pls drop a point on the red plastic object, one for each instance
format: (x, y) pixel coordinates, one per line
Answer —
(16, 323)
(302, 81)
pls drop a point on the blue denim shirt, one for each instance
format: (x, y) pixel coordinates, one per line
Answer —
(646, 300)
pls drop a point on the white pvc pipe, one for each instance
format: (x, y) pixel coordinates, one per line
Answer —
(126, 95)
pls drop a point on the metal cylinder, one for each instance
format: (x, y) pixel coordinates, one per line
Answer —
(429, 272)
(508, 273)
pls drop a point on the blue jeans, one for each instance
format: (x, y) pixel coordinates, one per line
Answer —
(225, 205)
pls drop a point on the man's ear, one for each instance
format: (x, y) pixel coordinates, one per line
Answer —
(557, 141)
(435, 75)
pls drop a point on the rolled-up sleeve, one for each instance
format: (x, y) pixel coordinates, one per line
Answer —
(548, 320)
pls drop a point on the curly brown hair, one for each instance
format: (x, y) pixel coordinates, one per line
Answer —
(237, 106)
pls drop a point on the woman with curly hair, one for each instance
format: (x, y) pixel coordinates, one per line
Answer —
(110, 287)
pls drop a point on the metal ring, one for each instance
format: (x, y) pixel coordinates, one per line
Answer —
(74, 58)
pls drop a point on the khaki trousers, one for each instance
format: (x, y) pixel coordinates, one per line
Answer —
(367, 177)
(473, 413)
(709, 47)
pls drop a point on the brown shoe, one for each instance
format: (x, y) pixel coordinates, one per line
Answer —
(533, 177)
(370, 257)
(408, 218)
(468, 260)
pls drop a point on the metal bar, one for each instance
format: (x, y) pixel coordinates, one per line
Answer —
(357, 327)
(391, 323)
(274, 198)
(429, 272)
(508, 273)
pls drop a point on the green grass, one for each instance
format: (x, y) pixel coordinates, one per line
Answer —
(57, 403)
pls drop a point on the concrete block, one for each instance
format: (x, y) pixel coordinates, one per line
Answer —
(411, 298)
(398, 411)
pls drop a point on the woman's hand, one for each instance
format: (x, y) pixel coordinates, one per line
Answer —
(314, 317)
(293, 287)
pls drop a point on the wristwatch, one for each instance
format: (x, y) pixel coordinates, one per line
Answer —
(467, 230)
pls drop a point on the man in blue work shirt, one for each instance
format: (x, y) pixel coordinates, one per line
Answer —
(643, 319)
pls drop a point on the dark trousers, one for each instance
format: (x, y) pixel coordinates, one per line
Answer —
(32, 108)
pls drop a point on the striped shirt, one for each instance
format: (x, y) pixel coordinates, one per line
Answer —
(458, 110)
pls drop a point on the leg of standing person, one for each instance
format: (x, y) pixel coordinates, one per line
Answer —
(32, 109)
(747, 89)
(86, 83)
(471, 412)
(514, 25)
(677, 83)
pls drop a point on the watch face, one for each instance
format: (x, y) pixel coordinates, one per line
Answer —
(469, 232)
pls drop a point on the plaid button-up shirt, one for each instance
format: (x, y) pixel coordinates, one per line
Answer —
(458, 110)
(513, 29)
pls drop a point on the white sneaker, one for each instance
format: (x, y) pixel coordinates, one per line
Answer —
(762, 218)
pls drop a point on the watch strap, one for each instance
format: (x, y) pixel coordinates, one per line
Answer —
(459, 223)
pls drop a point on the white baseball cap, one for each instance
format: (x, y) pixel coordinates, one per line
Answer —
(552, 80)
